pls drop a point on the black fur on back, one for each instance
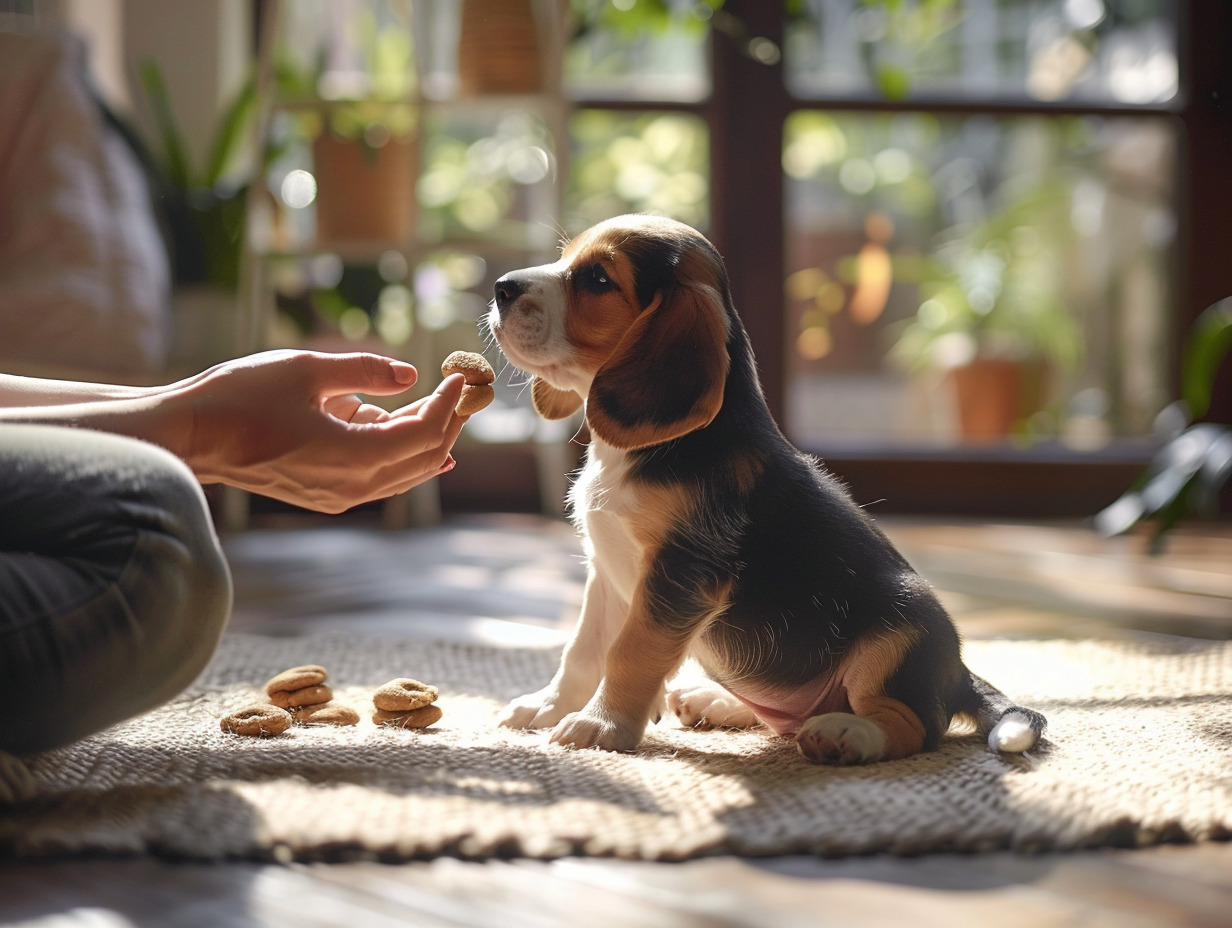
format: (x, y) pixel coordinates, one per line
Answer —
(812, 573)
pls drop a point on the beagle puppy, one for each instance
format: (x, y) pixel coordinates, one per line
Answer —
(709, 535)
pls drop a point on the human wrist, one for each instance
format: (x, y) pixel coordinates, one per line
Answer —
(186, 412)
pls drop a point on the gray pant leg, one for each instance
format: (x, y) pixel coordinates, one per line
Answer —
(113, 588)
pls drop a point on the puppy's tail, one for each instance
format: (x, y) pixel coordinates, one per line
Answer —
(1009, 727)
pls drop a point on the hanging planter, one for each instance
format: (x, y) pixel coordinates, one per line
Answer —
(499, 48)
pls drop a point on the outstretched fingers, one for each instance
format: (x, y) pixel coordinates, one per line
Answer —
(426, 423)
(405, 448)
(359, 372)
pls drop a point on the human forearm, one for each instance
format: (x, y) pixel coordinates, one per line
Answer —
(35, 391)
(149, 414)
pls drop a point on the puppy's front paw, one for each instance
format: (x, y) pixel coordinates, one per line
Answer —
(840, 738)
(709, 707)
(536, 710)
(592, 730)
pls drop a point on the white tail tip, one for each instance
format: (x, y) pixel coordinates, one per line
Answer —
(1012, 734)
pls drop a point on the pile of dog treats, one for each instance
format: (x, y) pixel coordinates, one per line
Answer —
(302, 696)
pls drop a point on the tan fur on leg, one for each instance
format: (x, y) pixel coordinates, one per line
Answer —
(641, 658)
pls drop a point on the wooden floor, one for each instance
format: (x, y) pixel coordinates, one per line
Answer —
(518, 579)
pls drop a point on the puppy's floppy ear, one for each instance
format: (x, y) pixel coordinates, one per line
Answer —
(551, 402)
(667, 374)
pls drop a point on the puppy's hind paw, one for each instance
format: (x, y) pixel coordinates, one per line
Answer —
(709, 707)
(842, 739)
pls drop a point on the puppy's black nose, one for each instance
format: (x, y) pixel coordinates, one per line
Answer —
(508, 289)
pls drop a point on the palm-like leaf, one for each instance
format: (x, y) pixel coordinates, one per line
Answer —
(1187, 474)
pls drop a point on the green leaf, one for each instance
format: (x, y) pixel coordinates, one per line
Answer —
(1183, 479)
(235, 122)
(174, 153)
(1209, 341)
(893, 81)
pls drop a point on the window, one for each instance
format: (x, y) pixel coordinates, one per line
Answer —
(928, 253)
(990, 270)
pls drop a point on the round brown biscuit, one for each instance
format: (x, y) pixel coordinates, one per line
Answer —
(305, 696)
(296, 678)
(473, 367)
(415, 718)
(475, 396)
(403, 694)
(326, 713)
(258, 720)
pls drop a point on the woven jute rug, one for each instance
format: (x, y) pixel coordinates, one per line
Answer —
(1139, 752)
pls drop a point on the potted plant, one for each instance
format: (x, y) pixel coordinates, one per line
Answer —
(203, 215)
(204, 209)
(365, 160)
(353, 102)
(992, 317)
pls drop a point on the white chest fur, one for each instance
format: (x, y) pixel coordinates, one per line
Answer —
(604, 504)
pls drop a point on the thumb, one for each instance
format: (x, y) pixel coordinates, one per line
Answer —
(361, 372)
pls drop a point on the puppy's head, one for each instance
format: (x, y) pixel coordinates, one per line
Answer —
(633, 319)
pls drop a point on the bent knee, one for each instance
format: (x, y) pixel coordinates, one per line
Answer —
(122, 595)
(176, 582)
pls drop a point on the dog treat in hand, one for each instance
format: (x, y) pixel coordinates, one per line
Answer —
(296, 679)
(404, 694)
(473, 367)
(305, 696)
(477, 372)
(257, 721)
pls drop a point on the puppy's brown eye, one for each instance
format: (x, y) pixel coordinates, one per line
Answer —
(593, 278)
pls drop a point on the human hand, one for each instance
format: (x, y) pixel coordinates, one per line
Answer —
(288, 424)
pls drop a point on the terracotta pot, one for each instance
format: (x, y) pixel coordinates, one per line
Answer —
(364, 194)
(994, 394)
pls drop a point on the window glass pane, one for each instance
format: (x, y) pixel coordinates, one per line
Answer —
(918, 244)
(1103, 51)
(638, 51)
(489, 173)
(625, 162)
(346, 51)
